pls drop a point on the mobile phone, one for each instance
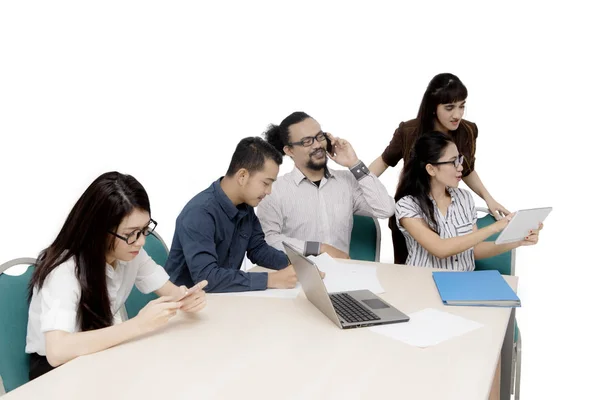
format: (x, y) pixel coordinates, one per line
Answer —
(190, 291)
(329, 145)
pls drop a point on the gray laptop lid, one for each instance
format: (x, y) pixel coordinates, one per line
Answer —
(314, 288)
(316, 292)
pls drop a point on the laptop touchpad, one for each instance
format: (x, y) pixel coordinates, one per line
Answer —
(375, 303)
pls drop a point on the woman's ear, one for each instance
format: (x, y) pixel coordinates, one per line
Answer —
(430, 169)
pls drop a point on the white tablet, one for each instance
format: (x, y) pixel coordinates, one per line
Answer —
(521, 223)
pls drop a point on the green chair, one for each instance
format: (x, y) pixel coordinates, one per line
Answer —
(505, 264)
(158, 250)
(365, 241)
(14, 313)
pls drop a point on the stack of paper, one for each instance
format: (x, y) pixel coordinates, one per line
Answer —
(343, 277)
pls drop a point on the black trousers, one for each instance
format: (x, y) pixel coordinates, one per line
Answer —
(38, 366)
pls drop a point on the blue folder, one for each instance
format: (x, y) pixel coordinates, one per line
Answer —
(476, 288)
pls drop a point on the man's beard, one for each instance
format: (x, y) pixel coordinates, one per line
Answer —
(316, 166)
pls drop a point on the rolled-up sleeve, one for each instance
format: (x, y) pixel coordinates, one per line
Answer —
(406, 207)
(60, 296)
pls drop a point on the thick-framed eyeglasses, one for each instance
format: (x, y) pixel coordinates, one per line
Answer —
(457, 162)
(309, 140)
(134, 236)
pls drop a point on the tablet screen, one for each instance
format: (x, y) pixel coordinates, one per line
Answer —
(522, 222)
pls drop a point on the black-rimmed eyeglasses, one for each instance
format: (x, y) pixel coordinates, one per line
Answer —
(309, 140)
(134, 236)
(457, 162)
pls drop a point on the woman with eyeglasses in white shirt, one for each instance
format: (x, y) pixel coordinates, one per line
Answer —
(82, 280)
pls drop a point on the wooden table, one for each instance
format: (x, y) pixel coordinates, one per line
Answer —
(264, 348)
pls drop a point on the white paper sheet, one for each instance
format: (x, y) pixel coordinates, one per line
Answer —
(342, 277)
(427, 328)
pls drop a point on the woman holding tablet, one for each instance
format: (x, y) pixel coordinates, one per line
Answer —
(441, 109)
(437, 219)
(82, 280)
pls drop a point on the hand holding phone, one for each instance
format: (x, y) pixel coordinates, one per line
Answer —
(193, 299)
(193, 289)
(330, 146)
(341, 151)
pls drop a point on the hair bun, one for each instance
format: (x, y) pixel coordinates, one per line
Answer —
(273, 137)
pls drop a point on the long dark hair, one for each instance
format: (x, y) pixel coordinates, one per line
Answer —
(443, 89)
(279, 135)
(84, 236)
(415, 180)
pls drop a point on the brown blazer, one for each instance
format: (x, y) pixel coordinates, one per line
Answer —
(405, 136)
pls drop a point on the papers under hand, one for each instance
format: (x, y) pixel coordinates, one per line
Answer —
(427, 328)
(343, 277)
(340, 277)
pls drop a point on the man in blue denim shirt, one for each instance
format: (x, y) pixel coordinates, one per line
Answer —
(218, 226)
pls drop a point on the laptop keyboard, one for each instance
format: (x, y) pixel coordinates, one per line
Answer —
(350, 309)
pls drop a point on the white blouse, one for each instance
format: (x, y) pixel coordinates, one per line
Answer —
(54, 306)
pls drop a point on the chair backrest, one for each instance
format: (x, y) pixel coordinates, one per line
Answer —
(158, 250)
(365, 241)
(503, 263)
(14, 313)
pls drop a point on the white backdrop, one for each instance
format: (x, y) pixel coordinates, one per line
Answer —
(165, 90)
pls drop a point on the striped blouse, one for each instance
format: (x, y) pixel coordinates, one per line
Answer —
(459, 220)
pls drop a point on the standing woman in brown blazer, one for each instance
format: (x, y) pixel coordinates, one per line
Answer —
(441, 109)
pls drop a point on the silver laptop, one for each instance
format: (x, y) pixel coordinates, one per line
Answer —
(353, 309)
